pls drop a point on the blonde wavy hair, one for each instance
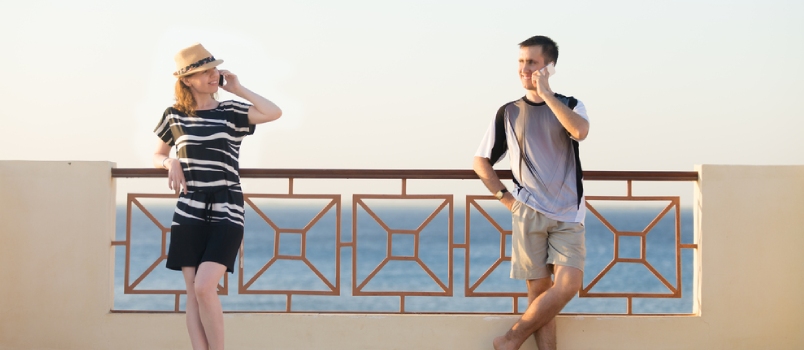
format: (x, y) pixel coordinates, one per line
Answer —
(185, 101)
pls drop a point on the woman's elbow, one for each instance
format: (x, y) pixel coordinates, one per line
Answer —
(269, 117)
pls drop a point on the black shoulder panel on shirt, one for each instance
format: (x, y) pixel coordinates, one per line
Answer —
(570, 101)
(500, 144)
(578, 172)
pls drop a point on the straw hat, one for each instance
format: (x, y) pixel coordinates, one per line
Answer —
(194, 58)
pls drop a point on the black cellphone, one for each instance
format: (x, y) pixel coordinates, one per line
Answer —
(220, 80)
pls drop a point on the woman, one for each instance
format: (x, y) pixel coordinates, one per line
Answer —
(207, 227)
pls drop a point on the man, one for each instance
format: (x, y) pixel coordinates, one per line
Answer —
(542, 131)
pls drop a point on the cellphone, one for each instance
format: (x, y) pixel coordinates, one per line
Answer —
(220, 80)
(551, 68)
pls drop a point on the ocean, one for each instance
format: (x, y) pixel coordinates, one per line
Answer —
(406, 275)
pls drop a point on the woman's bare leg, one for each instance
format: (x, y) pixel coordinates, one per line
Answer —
(209, 305)
(197, 337)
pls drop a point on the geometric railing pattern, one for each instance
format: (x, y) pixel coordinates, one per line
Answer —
(359, 286)
(673, 289)
(245, 285)
(471, 287)
(443, 277)
(129, 286)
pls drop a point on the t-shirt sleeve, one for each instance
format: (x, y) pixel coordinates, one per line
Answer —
(239, 117)
(163, 128)
(580, 108)
(494, 145)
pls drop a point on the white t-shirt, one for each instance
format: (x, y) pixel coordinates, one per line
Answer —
(548, 177)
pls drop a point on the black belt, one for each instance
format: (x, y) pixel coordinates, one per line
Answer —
(209, 198)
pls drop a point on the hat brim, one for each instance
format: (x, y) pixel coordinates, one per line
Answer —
(200, 68)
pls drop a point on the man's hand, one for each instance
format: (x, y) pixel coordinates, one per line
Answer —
(486, 174)
(508, 201)
(539, 80)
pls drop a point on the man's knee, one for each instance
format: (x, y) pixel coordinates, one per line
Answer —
(569, 281)
(539, 286)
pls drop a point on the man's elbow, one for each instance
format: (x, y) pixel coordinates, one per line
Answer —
(480, 163)
(582, 133)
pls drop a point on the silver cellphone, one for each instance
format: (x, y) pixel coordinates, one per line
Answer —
(551, 69)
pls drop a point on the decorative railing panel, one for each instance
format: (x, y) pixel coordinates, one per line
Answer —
(245, 285)
(397, 251)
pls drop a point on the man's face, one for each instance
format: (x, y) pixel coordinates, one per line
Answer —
(530, 60)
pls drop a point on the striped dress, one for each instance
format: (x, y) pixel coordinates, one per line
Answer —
(208, 147)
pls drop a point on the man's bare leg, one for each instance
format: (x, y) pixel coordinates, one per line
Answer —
(543, 309)
(546, 336)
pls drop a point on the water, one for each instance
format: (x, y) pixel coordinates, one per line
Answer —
(408, 276)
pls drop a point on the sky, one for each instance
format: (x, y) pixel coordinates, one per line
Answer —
(410, 84)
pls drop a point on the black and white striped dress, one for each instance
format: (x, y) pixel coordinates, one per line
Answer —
(208, 147)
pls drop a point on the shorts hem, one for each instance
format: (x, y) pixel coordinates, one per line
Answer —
(523, 275)
(179, 267)
(567, 264)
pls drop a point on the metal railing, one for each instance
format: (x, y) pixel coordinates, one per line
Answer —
(246, 284)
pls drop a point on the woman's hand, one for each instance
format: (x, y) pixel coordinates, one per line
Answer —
(162, 160)
(262, 110)
(232, 83)
(175, 175)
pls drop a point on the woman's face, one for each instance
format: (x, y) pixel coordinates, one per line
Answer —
(204, 82)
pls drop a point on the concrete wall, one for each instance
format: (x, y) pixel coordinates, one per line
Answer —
(57, 222)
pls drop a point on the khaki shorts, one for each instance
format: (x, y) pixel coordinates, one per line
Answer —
(539, 241)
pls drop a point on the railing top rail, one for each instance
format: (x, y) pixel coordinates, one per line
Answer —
(432, 174)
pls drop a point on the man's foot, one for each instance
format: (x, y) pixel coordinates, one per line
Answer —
(500, 343)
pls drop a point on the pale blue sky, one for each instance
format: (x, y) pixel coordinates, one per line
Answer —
(411, 84)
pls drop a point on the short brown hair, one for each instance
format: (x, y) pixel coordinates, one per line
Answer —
(549, 47)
